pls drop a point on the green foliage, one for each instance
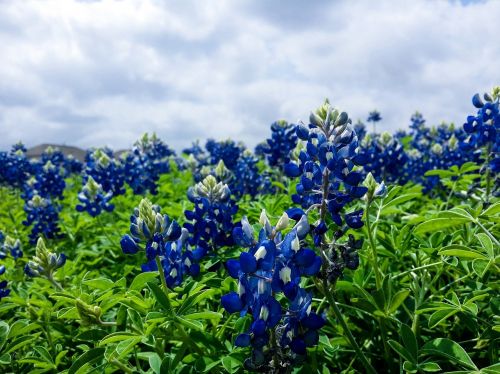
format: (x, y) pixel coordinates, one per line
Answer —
(437, 308)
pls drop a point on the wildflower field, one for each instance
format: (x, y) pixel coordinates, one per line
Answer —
(329, 248)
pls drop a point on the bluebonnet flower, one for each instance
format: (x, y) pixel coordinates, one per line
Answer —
(72, 165)
(300, 325)
(273, 264)
(283, 140)
(43, 215)
(196, 159)
(12, 246)
(360, 130)
(247, 179)
(151, 230)
(384, 157)
(197, 151)
(54, 155)
(483, 129)
(326, 166)
(15, 167)
(417, 121)
(49, 181)
(178, 259)
(211, 221)
(260, 149)
(44, 263)
(227, 151)
(93, 199)
(106, 170)
(374, 116)
(4, 291)
(150, 158)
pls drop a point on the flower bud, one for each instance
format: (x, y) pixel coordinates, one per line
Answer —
(282, 222)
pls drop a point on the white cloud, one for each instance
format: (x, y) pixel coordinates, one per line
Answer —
(90, 73)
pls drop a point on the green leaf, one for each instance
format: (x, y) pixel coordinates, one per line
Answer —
(449, 349)
(204, 315)
(140, 280)
(440, 173)
(161, 297)
(44, 354)
(155, 362)
(5, 359)
(21, 342)
(437, 224)
(400, 350)
(487, 244)
(4, 332)
(458, 251)
(480, 267)
(441, 315)
(410, 367)
(231, 364)
(195, 325)
(398, 299)
(116, 337)
(493, 210)
(87, 357)
(493, 369)
(92, 335)
(99, 283)
(125, 346)
(400, 200)
(60, 357)
(409, 341)
(431, 367)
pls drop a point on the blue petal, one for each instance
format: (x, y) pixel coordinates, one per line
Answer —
(313, 321)
(477, 102)
(298, 346)
(295, 213)
(233, 268)
(243, 340)
(129, 246)
(305, 257)
(311, 338)
(292, 170)
(248, 263)
(314, 268)
(231, 302)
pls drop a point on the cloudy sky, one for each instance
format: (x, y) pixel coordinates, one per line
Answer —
(91, 73)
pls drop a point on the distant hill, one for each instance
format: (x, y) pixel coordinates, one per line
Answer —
(78, 153)
(36, 152)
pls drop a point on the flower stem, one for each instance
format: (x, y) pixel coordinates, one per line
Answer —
(415, 269)
(378, 280)
(162, 277)
(329, 295)
(488, 174)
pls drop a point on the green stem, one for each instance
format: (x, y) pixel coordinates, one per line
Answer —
(180, 329)
(123, 367)
(188, 340)
(49, 336)
(486, 231)
(415, 269)
(163, 279)
(329, 295)
(378, 280)
(488, 174)
(55, 283)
